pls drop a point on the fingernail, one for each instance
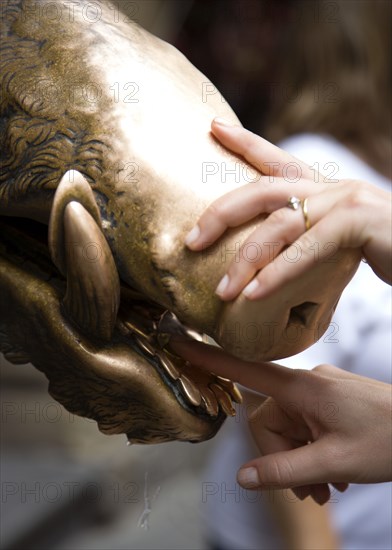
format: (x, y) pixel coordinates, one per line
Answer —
(250, 288)
(223, 122)
(248, 478)
(193, 235)
(222, 285)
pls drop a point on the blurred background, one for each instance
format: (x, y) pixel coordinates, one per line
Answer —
(64, 485)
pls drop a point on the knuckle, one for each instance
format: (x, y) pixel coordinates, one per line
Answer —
(251, 253)
(358, 196)
(307, 243)
(239, 272)
(275, 270)
(219, 210)
(322, 369)
(279, 217)
(250, 141)
(322, 382)
(302, 375)
(327, 370)
(277, 471)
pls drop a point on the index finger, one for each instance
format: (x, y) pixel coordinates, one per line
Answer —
(246, 203)
(267, 378)
(269, 159)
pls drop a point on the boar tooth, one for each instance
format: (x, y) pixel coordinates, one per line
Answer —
(224, 381)
(235, 393)
(92, 298)
(210, 401)
(134, 328)
(190, 390)
(169, 367)
(231, 388)
(145, 345)
(224, 399)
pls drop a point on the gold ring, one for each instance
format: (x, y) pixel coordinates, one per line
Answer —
(304, 206)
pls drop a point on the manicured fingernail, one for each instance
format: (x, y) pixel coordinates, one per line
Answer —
(250, 288)
(248, 478)
(222, 285)
(192, 236)
(223, 122)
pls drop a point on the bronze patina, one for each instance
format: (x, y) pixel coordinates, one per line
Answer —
(106, 163)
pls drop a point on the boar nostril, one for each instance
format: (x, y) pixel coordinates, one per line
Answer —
(301, 313)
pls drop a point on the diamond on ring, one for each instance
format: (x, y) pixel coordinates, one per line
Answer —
(294, 203)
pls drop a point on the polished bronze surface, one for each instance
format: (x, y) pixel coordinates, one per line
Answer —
(106, 149)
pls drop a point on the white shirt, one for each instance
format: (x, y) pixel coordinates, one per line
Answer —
(358, 340)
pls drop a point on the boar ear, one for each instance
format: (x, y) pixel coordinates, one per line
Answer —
(80, 251)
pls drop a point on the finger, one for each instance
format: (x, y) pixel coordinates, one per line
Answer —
(230, 210)
(282, 227)
(278, 426)
(243, 204)
(319, 244)
(260, 153)
(273, 431)
(266, 378)
(305, 465)
(260, 248)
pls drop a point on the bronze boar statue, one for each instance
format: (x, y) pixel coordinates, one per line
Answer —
(106, 159)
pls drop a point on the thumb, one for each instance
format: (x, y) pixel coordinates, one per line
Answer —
(307, 465)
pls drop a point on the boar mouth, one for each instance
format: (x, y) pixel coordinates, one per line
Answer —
(150, 327)
(143, 325)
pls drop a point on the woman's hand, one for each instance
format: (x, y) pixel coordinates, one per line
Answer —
(343, 214)
(317, 427)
